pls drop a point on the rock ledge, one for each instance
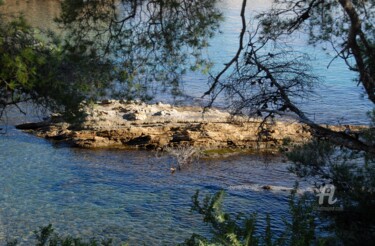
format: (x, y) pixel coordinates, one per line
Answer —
(117, 124)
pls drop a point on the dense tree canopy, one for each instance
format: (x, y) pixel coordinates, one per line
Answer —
(35, 68)
(33, 71)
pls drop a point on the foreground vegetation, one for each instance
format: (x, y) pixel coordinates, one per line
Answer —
(241, 230)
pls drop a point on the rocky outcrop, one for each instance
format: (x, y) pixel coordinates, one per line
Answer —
(139, 125)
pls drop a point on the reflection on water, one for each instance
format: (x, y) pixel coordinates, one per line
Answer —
(127, 195)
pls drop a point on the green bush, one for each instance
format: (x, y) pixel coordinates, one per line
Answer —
(241, 231)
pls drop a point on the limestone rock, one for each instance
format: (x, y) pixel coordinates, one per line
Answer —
(112, 123)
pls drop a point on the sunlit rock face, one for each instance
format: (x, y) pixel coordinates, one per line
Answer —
(120, 124)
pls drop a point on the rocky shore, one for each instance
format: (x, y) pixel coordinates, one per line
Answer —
(118, 124)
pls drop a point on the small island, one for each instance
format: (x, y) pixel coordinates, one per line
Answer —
(121, 124)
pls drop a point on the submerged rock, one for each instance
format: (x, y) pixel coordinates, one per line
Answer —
(266, 187)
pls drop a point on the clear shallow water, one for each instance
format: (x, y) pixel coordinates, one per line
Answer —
(125, 195)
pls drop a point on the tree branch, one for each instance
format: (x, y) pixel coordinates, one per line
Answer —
(237, 55)
(354, 32)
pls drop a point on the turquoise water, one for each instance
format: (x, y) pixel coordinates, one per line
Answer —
(129, 196)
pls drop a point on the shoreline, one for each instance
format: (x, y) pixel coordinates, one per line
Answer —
(119, 124)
